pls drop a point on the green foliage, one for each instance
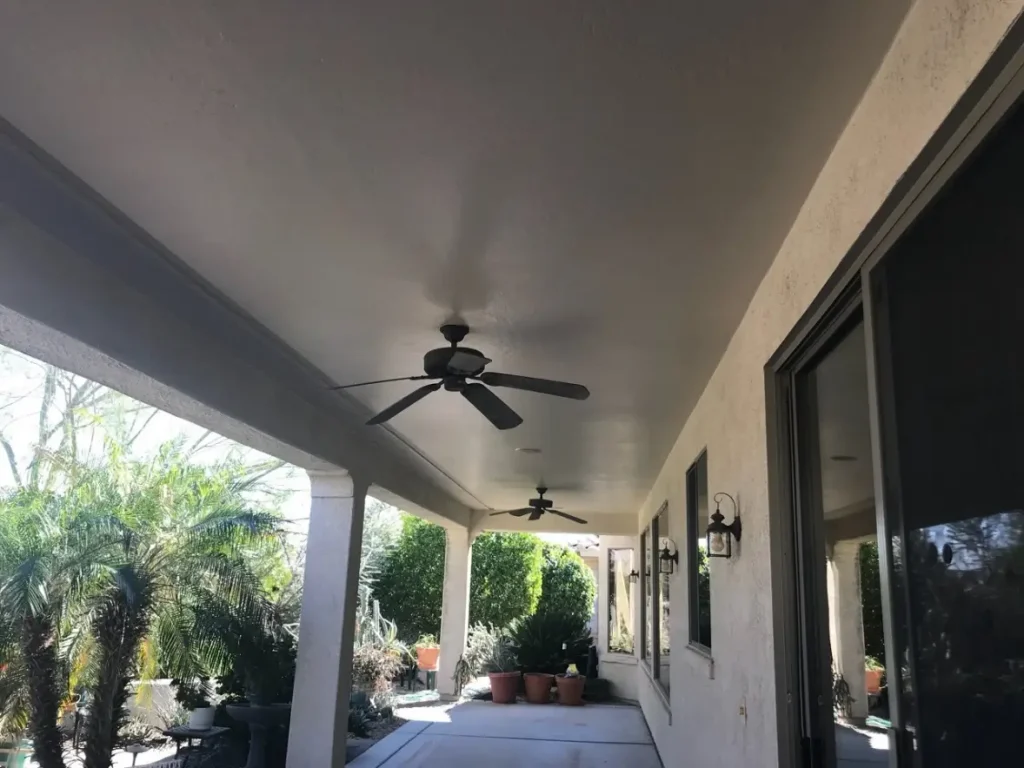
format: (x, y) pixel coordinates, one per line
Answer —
(408, 585)
(538, 641)
(114, 576)
(426, 641)
(871, 600)
(489, 650)
(505, 584)
(506, 579)
(191, 694)
(703, 596)
(568, 585)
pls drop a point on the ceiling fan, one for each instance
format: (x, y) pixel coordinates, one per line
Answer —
(458, 369)
(538, 507)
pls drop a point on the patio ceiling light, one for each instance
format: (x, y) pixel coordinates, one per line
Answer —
(719, 534)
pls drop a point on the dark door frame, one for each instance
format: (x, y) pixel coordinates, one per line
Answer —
(997, 88)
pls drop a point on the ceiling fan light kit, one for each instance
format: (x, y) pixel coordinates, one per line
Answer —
(461, 369)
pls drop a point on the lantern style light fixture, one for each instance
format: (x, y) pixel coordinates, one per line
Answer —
(634, 576)
(720, 535)
(668, 559)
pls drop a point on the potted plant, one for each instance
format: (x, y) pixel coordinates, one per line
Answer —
(500, 664)
(873, 672)
(570, 687)
(546, 643)
(194, 697)
(263, 666)
(427, 653)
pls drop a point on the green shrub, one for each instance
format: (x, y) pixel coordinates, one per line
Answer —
(568, 585)
(538, 641)
(489, 650)
(505, 581)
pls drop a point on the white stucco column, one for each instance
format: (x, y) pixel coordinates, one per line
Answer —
(323, 677)
(847, 622)
(458, 554)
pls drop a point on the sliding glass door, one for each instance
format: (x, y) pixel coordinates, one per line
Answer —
(949, 329)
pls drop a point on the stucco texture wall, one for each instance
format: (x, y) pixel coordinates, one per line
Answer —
(938, 51)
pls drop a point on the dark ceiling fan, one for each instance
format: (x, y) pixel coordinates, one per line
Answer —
(538, 507)
(458, 369)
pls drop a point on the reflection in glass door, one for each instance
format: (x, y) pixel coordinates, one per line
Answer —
(845, 697)
(949, 317)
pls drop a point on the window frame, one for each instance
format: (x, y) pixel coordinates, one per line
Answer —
(694, 536)
(645, 543)
(632, 598)
(656, 604)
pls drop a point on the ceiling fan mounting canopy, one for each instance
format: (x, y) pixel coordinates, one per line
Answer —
(461, 369)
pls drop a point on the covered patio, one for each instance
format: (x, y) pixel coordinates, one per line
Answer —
(477, 733)
(236, 210)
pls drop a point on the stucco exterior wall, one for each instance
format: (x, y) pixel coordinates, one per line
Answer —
(938, 51)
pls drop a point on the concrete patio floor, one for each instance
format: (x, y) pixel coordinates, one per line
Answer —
(478, 733)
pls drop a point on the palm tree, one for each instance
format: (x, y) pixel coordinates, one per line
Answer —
(130, 556)
(49, 557)
(185, 547)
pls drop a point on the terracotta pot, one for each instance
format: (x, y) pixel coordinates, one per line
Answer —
(504, 687)
(538, 687)
(570, 690)
(873, 680)
(426, 658)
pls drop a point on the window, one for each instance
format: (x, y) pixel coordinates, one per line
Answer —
(698, 573)
(664, 621)
(648, 596)
(655, 620)
(620, 601)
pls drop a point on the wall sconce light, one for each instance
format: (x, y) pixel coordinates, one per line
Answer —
(634, 576)
(668, 559)
(720, 535)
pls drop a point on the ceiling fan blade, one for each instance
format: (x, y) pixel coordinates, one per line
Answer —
(536, 514)
(567, 516)
(491, 406)
(530, 384)
(413, 397)
(514, 512)
(379, 381)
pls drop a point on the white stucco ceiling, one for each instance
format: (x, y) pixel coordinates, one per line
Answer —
(844, 430)
(596, 187)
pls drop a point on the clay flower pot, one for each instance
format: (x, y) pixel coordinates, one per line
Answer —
(873, 680)
(426, 658)
(538, 687)
(570, 690)
(504, 687)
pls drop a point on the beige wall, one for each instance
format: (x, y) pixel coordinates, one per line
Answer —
(938, 51)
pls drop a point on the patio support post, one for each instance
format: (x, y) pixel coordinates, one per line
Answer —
(323, 677)
(847, 622)
(454, 606)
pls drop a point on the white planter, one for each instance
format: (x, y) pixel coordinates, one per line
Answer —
(201, 719)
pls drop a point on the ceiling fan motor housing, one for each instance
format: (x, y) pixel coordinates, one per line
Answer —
(436, 362)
